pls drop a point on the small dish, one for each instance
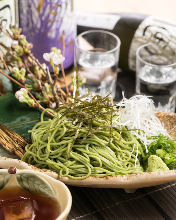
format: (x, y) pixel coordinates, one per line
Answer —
(37, 182)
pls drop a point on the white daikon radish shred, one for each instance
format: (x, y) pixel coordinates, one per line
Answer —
(138, 114)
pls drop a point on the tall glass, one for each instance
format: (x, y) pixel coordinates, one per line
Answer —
(96, 57)
(156, 75)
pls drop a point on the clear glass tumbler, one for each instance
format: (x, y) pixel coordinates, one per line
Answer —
(156, 75)
(96, 57)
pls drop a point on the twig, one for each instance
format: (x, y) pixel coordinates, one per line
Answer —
(22, 86)
(77, 86)
(4, 63)
(50, 80)
(9, 34)
(12, 79)
(63, 73)
(37, 62)
(63, 43)
(6, 32)
(27, 68)
(55, 92)
(53, 84)
(62, 67)
(62, 92)
(28, 61)
(2, 90)
(5, 47)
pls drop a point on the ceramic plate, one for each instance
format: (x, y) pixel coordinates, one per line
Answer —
(21, 118)
(37, 182)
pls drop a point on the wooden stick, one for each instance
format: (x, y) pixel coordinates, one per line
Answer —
(12, 141)
(17, 138)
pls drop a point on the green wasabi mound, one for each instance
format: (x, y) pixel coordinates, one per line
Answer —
(155, 163)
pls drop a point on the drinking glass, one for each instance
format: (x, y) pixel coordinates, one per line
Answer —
(96, 57)
(156, 75)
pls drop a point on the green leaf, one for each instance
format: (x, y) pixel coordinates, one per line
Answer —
(33, 183)
(17, 116)
(4, 179)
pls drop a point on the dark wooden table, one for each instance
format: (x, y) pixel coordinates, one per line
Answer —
(156, 203)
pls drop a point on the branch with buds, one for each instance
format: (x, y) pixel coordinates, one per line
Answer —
(38, 85)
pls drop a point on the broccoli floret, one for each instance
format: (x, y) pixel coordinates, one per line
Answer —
(161, 153)
(155, 163)
(170, 160)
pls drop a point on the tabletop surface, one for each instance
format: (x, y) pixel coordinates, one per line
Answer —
(147, 203)
(157, 202)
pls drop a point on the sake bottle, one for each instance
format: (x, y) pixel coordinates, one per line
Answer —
(8, 16)
(46, 23)
(133, 30)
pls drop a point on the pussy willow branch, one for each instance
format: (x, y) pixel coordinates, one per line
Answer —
(22, 86)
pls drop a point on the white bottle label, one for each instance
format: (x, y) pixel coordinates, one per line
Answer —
(153, 30)
(7, 16)
(104, 21)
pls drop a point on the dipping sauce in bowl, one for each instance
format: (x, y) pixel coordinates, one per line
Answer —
(19, 204)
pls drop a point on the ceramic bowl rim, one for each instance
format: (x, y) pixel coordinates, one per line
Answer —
(67, 209)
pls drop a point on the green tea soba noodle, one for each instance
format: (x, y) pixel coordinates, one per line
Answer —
(77, 149)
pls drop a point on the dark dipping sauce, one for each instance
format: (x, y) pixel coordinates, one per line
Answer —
(18, 204)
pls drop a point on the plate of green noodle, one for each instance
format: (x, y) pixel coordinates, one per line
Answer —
(83, 150)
